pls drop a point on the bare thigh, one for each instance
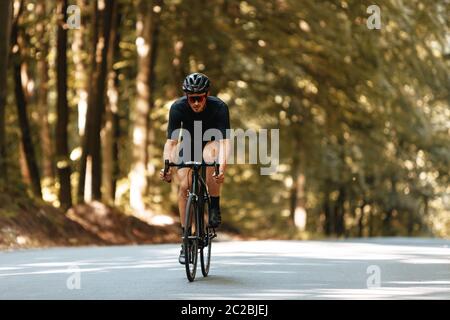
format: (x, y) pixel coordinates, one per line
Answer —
(185, 178)
(210, 153)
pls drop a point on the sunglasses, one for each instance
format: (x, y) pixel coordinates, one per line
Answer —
(194, 99)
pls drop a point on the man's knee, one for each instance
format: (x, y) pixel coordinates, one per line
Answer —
(183, 194)
(184, 182)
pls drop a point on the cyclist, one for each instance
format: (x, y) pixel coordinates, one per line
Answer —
(186, 113)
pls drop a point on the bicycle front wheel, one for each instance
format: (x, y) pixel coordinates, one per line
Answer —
(205, 251)
(190, 239)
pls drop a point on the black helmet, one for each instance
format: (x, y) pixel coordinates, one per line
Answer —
(196, 83)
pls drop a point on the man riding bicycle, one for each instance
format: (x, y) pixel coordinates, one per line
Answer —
(193, 115)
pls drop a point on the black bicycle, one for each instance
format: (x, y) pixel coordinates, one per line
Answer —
(197, 235)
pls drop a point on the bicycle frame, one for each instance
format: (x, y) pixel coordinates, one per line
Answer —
(197, 179)
(195, 166)
(200, 193)
(197, 198)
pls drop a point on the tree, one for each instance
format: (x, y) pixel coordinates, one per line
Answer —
(62, 148)
(147, 42)
(362, 113)
(91, 157)
(81, 70)
(47, 153)
(21, 101)
(110, 130)
(5, 32)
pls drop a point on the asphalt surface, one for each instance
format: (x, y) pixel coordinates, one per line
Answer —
(380, 268)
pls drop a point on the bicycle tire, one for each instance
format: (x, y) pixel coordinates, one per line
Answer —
(205, 252)
(190, 239)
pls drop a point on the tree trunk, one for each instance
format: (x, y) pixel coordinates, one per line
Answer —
(424, 220)
(24, 124)
(109, 131)
(21, 102)
(387, 220)
(42, 105)
(62, 148)
(99, 107)
(81, 81)
(23, 166)
(292, 202)
(85, 194)
(411, 222)
(147, 30)
(329, 221)
(361, 220)
(150, 137)
(96, 108)
(371, 224)
(294, 188)
(5, 33)
(297, 193)
(339, 212)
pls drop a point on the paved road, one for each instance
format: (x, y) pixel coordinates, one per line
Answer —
(394, 268)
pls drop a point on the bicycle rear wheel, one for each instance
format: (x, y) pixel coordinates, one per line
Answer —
(205, 251)
(190, 239)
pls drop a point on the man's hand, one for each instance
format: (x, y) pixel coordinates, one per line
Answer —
(167, 177)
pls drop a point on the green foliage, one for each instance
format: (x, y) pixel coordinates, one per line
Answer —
(363, 114)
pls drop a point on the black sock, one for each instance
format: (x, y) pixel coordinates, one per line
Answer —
(215, 202)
